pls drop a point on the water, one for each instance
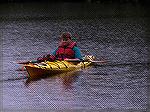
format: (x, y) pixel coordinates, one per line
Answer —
(122, 85)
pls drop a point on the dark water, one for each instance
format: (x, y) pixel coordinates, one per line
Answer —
(122, 85)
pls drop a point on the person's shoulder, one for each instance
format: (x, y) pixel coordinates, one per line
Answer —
(75, 48)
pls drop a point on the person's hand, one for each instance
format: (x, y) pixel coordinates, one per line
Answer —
(46, 58)
(41, 59)
(51, 58)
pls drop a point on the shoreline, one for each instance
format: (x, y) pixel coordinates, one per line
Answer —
(25, 11)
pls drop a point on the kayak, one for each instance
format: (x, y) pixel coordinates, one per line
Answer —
(37, 70)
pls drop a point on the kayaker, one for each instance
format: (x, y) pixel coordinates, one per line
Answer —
(67, 49)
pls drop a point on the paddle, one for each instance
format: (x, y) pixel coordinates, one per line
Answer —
(27, 62)
(77, 60)
(68, 60)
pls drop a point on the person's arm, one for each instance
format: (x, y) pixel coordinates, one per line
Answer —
(54, 52)
(49, 57)
(77, 53)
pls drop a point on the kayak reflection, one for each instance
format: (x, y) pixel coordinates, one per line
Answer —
(66, 80)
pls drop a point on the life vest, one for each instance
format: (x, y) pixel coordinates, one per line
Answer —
(66, 51)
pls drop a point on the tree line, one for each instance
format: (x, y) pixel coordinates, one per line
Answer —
(83, 1)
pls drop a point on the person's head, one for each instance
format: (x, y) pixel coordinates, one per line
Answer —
(65, 38)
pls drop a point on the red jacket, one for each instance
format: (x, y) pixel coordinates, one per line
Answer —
(66, 52)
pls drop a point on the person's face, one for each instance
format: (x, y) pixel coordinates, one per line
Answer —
(65, 41)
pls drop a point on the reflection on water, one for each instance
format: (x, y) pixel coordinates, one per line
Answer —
(66, 79)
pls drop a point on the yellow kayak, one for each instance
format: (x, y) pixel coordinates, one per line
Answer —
(36, 70)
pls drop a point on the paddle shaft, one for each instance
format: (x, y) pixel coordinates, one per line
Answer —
(27, 62)
(68, 60)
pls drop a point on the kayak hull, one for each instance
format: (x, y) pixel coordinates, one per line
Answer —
(47, 68)
(35, 72)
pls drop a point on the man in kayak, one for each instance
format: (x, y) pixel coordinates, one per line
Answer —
(67, 49)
